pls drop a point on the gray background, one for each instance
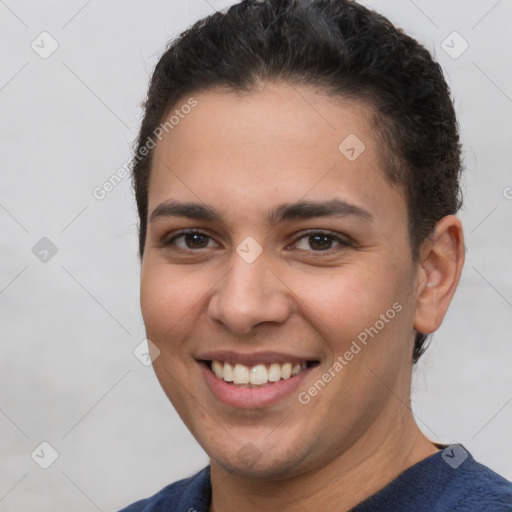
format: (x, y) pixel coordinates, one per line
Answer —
(69, 325)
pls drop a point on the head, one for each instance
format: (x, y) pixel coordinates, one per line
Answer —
(274, 103)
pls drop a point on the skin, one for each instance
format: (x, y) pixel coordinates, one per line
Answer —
(244, 154)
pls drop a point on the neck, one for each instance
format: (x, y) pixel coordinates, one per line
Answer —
(347, 480)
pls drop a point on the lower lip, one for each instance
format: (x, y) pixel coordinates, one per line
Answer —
(251, 398)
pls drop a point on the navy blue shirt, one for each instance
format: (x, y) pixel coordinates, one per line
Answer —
(447, 481)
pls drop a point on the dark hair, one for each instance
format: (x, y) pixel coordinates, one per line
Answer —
(343, 49)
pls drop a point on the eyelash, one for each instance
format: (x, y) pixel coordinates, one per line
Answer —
(343, 243)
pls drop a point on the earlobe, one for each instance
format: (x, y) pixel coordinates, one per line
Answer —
(441, 262)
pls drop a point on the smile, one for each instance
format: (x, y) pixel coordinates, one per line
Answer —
(258, 375)
(254, 380)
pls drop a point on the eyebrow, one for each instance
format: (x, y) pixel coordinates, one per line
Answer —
(284, 212)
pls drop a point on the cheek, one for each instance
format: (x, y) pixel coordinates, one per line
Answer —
(166, 297)
(167, 300)
(368, 304)
(347, 300)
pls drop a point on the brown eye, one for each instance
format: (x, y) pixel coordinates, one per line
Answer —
(190, 240)
(320, 241)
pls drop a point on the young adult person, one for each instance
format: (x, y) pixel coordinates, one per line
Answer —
(297, 180)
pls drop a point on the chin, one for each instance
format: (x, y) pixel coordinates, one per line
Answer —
(261, 462)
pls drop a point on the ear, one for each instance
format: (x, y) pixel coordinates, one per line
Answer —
(441, 261)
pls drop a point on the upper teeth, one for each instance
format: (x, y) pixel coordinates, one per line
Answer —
(258, 375)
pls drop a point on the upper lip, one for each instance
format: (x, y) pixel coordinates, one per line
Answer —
(254, 358)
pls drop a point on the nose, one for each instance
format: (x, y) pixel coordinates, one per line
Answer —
(250, 294)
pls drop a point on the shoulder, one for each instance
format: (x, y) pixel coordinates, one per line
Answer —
(191, 494)
(456, 482)
(482, 489)
(451, 480)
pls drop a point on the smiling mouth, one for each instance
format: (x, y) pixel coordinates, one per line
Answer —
(259, 375)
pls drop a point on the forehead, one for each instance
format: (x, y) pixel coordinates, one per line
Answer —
(260, 146)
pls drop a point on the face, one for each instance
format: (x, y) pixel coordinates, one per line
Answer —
(277, 280)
